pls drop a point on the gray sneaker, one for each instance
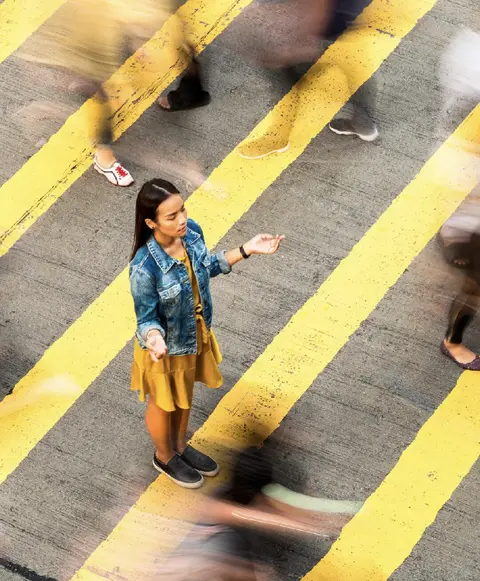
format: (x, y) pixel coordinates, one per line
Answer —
(347, 127)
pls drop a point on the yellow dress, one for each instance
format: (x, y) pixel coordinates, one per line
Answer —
(171, 380)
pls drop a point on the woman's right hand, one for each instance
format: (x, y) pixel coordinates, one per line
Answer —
(156, 346)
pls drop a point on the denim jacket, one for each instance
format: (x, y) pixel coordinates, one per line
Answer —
(163, 295)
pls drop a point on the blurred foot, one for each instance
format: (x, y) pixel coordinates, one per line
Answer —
(184, 99)
(460, 262)
(104, 156)
(347, 127)
(163, 102)
(462, 356)
(116, 174)
(264, 146)
(454, 250)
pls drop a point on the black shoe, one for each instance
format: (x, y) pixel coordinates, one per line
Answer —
(200, 462)
(179, 471)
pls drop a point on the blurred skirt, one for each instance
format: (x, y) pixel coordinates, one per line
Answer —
(89, 37)
(171, 380)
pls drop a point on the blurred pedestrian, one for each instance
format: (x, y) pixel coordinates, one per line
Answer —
(221, 546)
(170, 276)
(459, 76)
(463, 250)
(90, 39)
(358, 118)
(282, 35)
(460, 235)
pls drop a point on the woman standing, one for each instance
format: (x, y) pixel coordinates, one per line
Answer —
(170, 276)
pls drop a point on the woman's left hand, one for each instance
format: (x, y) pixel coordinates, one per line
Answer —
(263, 244)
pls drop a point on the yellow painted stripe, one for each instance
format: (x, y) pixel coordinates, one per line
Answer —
(101, 332)
(258, 403)
(382, 535)
(68, 153)
(21, 18)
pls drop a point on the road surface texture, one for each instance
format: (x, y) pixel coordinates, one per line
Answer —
(345, 428)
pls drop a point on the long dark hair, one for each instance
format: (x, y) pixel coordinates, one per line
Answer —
(151, 195)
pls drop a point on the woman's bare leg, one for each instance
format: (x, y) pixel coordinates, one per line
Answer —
(159, 426)
(179, 429)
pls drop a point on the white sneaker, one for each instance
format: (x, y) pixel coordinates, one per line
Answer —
(116, 174)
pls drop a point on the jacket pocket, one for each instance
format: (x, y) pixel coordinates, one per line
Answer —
(171, 293)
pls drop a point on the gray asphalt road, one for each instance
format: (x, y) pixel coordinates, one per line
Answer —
(347, 432)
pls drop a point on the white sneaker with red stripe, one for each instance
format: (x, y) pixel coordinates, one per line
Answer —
(116, 174)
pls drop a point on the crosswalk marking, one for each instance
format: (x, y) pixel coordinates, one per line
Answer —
(383, 534)
(107, 325)
(68, 154)
(262, 398)
(21, 18)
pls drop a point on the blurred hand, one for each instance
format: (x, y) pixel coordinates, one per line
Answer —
(156, 346)
(263, 244)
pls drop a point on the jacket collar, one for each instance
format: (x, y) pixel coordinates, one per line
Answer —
(163, 260)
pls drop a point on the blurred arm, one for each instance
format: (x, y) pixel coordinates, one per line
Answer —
(232, 514)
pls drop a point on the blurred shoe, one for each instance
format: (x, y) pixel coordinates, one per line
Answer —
(179, 471)
(347, 127)
(471, 366)
(200, 462)
(116, 174)
(262, 147)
